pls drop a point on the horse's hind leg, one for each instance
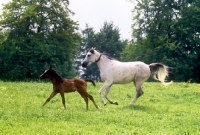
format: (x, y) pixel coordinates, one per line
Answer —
(139, 92)
(106, 96)
(92, 99)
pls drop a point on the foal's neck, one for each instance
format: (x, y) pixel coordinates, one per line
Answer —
(56, 79)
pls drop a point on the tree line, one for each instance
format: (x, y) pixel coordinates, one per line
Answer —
(40, 33)
(167, 31)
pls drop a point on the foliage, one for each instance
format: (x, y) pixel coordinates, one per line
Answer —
(107, 40)
(168, 32)
(34, 35)
(161, 110)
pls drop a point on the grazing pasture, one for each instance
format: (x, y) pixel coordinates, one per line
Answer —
(173, 109)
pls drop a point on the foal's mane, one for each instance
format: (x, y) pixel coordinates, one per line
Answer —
(57, 76)
(104, 54)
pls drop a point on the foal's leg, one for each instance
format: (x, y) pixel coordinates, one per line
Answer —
(106, 95)
(92, 99)
(84, 96)
(86, 101)
(63, 99)
(50, 97)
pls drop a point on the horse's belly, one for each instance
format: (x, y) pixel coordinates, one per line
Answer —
(123, 79)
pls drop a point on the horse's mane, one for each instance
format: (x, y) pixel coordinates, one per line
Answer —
(108, 56)
(104, 53)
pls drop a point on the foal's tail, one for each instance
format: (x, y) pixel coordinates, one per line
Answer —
(87, 80)
(159, 72)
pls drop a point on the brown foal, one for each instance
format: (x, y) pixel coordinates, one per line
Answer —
(63, 85)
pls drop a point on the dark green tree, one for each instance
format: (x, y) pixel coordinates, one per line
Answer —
(38, 33)
(157, 33)
(106, 40)
(88, 41)
(187, 36)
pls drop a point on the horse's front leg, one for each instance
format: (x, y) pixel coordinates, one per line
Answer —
(105, 85)
(106, 95)
(63, 99)
(50, 97)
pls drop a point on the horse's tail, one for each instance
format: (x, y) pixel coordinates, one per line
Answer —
(159, 72)
(88, 80)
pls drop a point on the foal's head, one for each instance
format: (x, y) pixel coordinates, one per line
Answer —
(50, 73)
(91, 56)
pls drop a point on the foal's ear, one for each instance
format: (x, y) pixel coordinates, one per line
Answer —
(50, 67)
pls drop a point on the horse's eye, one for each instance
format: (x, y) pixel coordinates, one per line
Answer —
(88, 55)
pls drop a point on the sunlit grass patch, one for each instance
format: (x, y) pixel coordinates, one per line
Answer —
(161, 110)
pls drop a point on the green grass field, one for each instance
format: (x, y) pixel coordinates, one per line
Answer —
(170, 110)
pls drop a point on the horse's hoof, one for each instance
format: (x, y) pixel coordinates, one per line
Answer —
(104, 104)
(116, 103)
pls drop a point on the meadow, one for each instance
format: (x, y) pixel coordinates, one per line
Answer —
(162, 110)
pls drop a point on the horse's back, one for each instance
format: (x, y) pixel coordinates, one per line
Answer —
(132, 67)
(142, 71)
(124, 72)
(140, 67)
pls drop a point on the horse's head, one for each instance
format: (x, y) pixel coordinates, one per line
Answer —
(47, 73)
(91, 56)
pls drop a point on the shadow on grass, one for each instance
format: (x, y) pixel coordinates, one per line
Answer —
(139, 107)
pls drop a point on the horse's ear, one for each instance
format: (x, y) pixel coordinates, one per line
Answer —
(50, 67)
(92, 50)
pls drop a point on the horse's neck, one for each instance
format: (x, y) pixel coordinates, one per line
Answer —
(103, 63)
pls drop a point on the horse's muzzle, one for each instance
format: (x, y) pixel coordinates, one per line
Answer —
(84, 64)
